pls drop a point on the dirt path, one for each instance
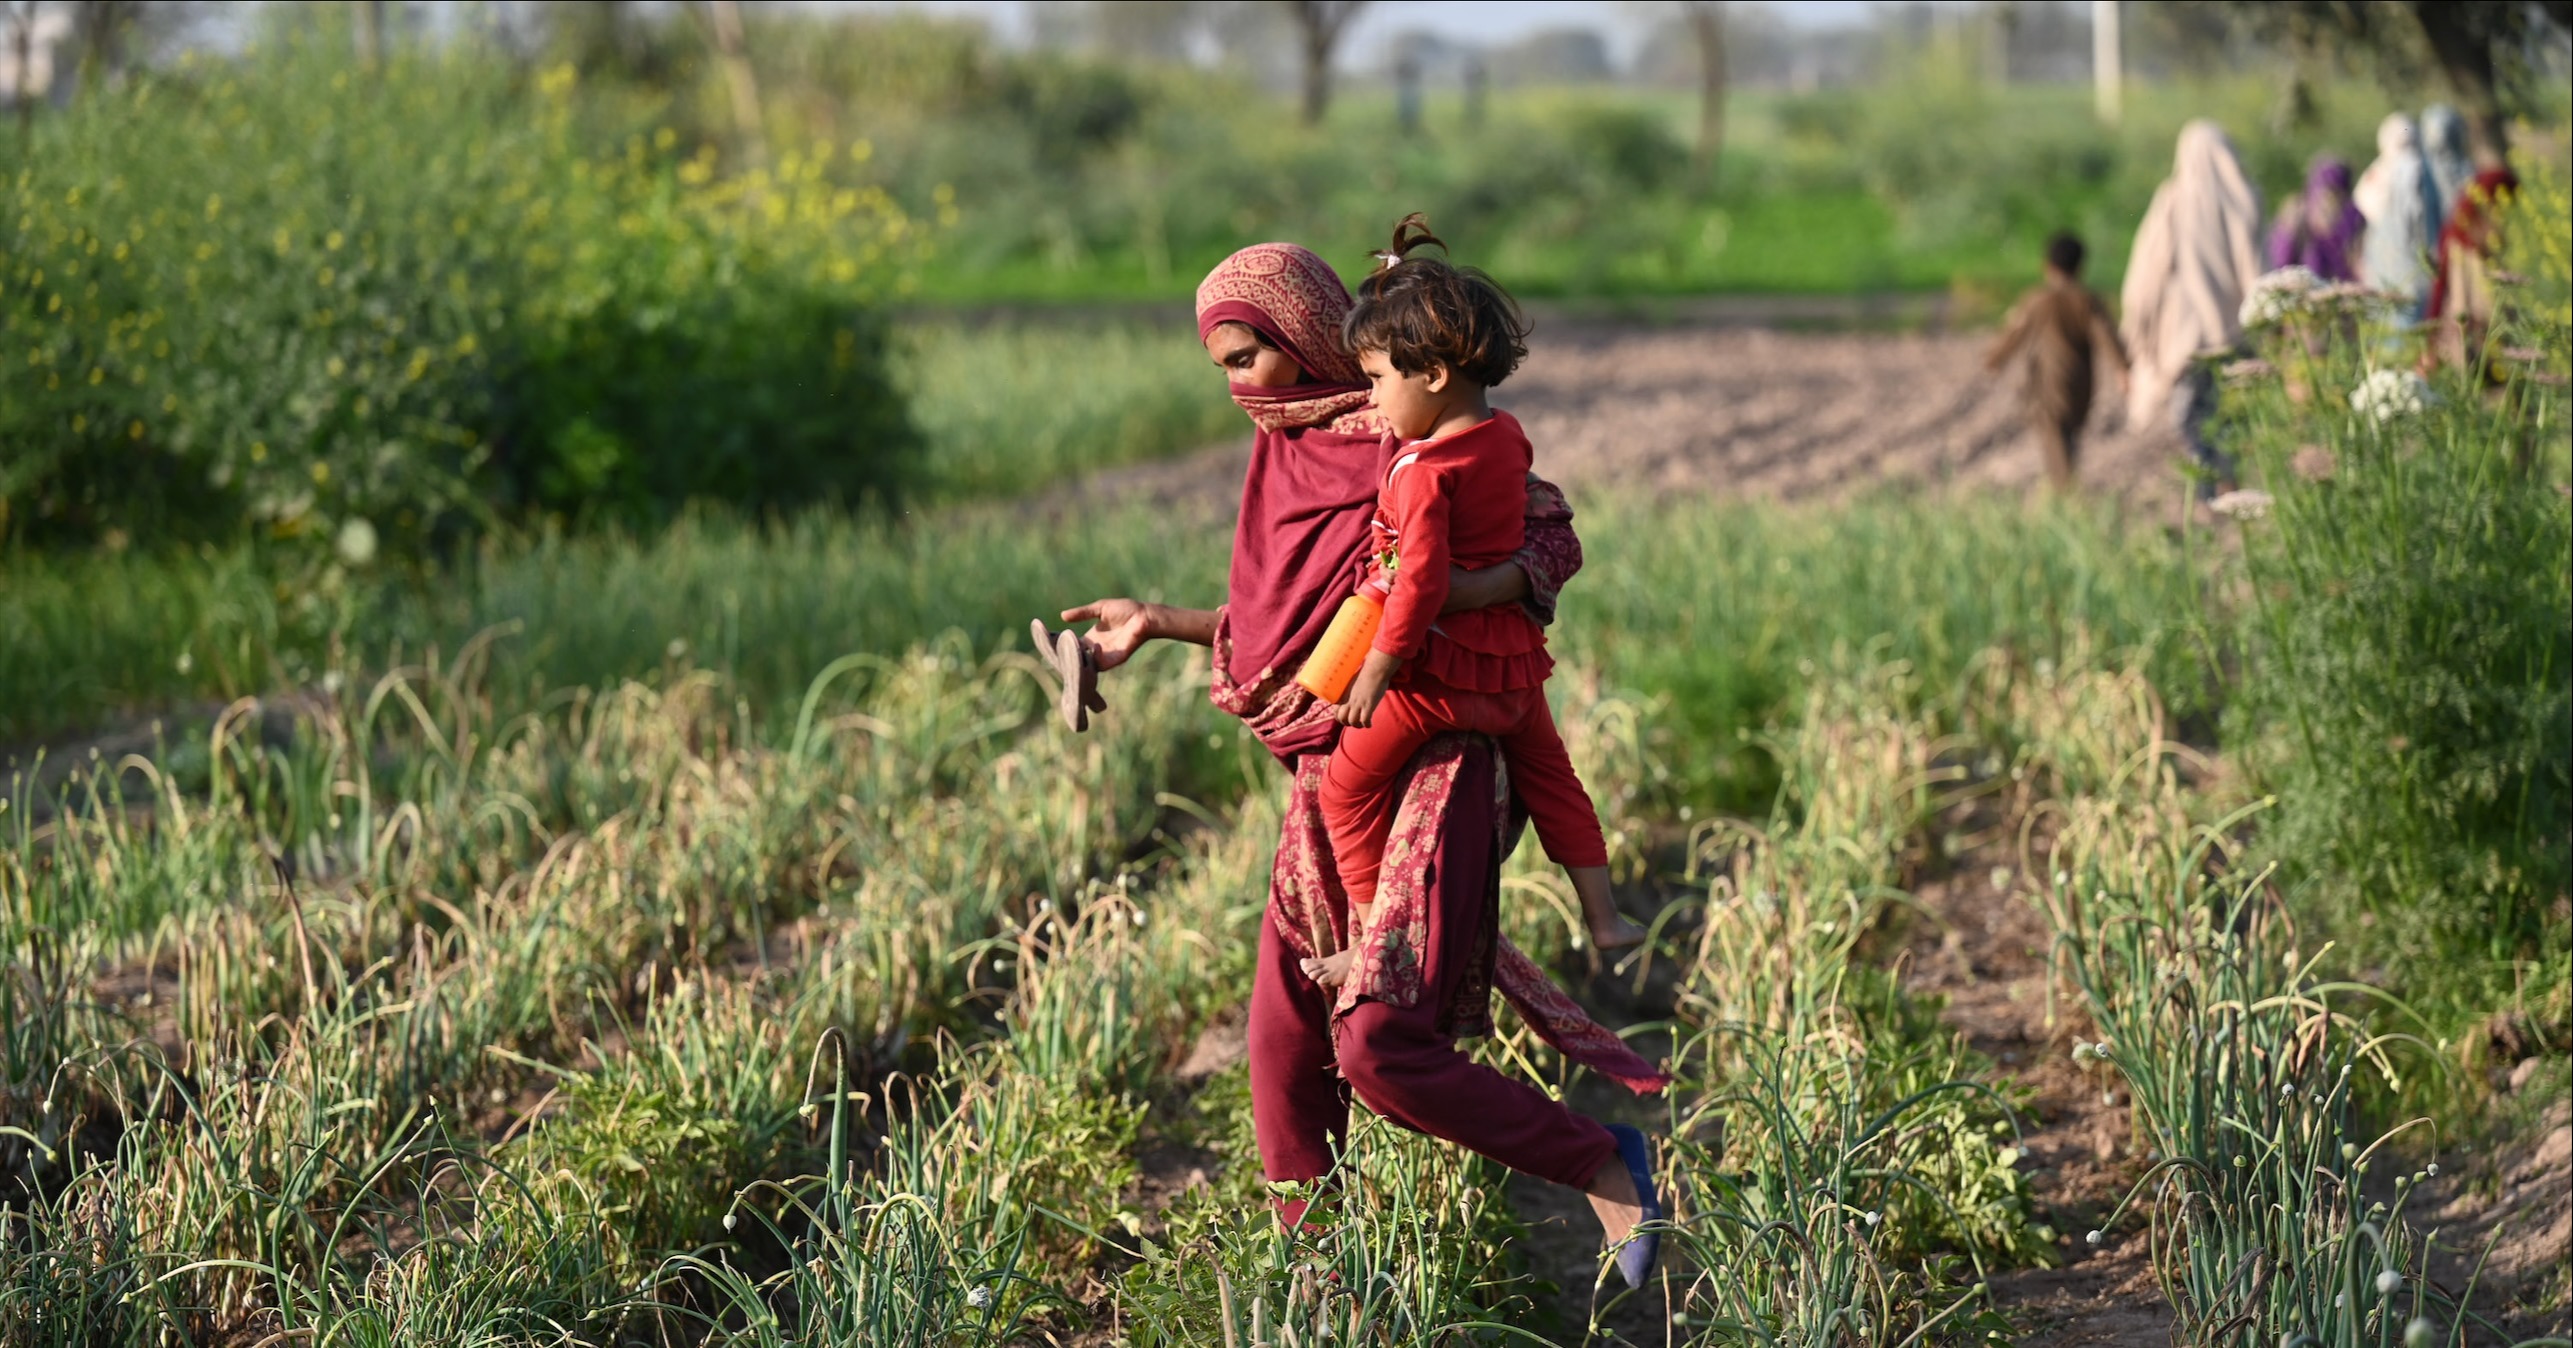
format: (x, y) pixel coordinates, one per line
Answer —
(1982, 948)
(1744, 412)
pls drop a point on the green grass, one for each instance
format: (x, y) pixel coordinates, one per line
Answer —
(1008, 408)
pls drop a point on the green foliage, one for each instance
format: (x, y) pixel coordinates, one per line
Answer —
(1721, 615)
(2409, 696)
(1008, 406)
(1840, 1165)
(360, 306)
(2240, 1058)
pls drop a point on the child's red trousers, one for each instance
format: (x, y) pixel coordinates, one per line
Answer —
(1358, 796)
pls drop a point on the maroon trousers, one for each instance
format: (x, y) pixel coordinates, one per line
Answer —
(1396, 1060)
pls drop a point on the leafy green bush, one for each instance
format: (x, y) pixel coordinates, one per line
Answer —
(353, 305)
(2408, 688)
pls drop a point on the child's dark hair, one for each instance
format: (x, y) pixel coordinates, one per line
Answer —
(1425, 311)
(2064, 252)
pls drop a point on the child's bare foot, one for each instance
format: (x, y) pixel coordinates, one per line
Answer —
(1611, 931)
(1330, 970)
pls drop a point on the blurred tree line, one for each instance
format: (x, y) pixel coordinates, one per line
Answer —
(599, 259)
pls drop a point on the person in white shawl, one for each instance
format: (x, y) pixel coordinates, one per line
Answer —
(2400, 199)
(2194, 258)
(2443, 146)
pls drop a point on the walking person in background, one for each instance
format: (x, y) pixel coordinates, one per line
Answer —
(2401, 202)
(2443, 148)
(2461, 294)
(2320, 230)
(2060, 328)
(2195, 255)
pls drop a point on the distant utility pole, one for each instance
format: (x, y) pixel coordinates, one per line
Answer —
(2108, 73)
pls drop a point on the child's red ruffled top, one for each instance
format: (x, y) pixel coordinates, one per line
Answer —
(1457, 500)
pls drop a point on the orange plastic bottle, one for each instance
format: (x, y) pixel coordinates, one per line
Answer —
(1344, 646)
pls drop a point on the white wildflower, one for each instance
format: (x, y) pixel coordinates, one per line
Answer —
(356, 542)
(2387, 394)
(979, 1298)
(2279, 295)
(2093, 1238)
(2421, 1333)
(2432, 1170)
(2387, 1281)
(2244, 504)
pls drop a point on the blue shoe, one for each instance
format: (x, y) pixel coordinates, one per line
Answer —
(1635, 1257)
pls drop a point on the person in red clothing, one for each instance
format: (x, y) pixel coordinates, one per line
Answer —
(1432, 338)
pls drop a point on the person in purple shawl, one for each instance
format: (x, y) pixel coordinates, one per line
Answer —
(2320, 230)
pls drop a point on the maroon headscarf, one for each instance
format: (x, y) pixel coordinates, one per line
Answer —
(1300, 540)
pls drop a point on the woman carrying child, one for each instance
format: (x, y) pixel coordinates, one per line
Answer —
(1270, 316)
(1431, 339)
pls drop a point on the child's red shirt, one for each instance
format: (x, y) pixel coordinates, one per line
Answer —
(1457, 500)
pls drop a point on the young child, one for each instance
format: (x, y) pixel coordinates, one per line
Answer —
(1432, 338)
(2060, 326)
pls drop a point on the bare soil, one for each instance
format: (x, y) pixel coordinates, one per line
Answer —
(1750, 412)
(1982, 947)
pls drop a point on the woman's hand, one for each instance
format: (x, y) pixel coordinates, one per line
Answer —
(1358, 705)
(1121, 626)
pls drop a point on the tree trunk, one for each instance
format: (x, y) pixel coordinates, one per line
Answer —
(101, 25)
(1317, 73)
(1706, 21)
(22, 36)
(2462, 42)
(369, 31)
(1321, 22)
(725, 18)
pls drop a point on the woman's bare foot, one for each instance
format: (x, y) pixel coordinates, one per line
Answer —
(1332, 970)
